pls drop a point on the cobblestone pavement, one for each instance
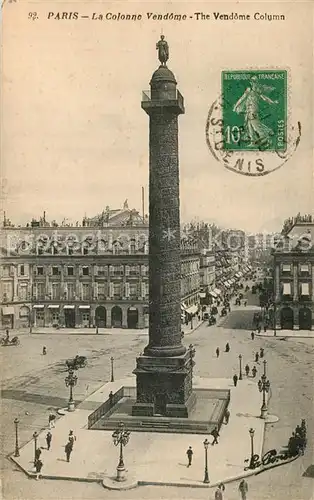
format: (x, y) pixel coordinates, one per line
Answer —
(34, 384)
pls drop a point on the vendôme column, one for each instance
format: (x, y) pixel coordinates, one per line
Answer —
(164, 372)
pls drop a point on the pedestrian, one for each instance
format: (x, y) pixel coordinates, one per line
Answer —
(259, 329)
(243, 489)
(38, 467)
(44, 351)
(68, 450)
(37, 455)
(72, 438)
(245, 303)
(48, 440)
(190, 455)
(227, 416)
(219, 491)
(252, 335)
(51, 421)
(227, 347)
(7, 335)
(261, 352)
(256, 357)
(254, 371)
(217, 352)
(235, 380)
(215, 435)
(199, 317)
(111, 398)
(247, 370)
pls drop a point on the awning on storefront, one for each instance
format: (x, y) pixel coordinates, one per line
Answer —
(69, 307)
(84, 307)
(217, 291)
(53, 306)
(192, 310)
(38, 306)
(202, 295)
(6, 311)
(183, 306)
(213, 294)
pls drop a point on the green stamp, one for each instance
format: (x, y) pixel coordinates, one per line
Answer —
(254, 110)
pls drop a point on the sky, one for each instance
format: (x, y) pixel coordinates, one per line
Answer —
(74, 136)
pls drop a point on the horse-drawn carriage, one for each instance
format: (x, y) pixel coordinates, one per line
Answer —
(76, 363)
(7, 341)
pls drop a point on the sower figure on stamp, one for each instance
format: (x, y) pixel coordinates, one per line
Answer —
(163, 50)
(249, 104)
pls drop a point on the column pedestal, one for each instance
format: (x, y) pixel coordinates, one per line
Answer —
(164, 386)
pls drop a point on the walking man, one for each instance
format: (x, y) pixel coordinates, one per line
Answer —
(219, 492)
(215, 435)
(235, 380)
(190, 455)
(51, 421)
(227, 416)
(227, 347)
(252, 335)
(256, 357)
(68, 450)
(217, 352)
(44, 351)
(38, 467)
(72, 438)
(254, 371)
(247, 370)
(261, 352)
(48, 440)
(37, 455)
(243, 489)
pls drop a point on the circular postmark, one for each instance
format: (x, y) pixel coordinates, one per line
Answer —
(255, 163)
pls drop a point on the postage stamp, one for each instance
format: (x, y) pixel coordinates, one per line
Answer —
(254, 110)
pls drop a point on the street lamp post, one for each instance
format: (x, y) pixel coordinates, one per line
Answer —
(112, 377)
(206, 477)
(35, 436)
(121, 437)
(71, 381)
(275, 315)
(252, 432)
(240, 362)
(264, 386)
(17, 452)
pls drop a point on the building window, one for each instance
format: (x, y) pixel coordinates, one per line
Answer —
(55, 316)
(286, 289)
(70, 250)
(55, 271)
(85, 250)
(71, 291)
(133, 270)
(7, 291)
(23, 291)
(70, 271)
(132, 246)
(305, 268)
(86, 291)
(55, 291)
(286, 268)
(305, 289)
(40, 271)
(101, 291)
(102, 270)
(133, 287)
(40, 290)
(85, 271)
(22, 270)
(116, 289)
(118, 270)
(5, 271)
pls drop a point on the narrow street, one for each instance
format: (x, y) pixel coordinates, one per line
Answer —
(33, 385)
